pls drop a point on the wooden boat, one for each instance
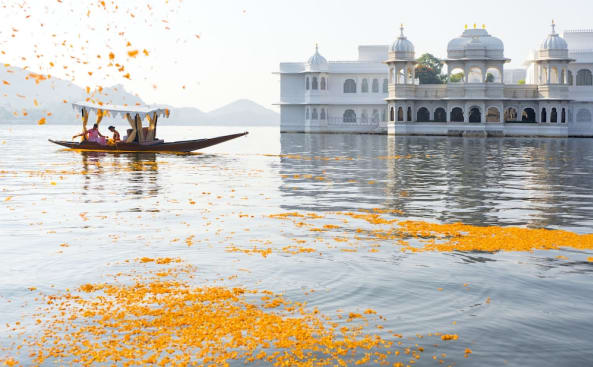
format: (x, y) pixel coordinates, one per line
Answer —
(139, 138)
(183, 146)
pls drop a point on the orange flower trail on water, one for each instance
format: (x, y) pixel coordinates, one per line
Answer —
(159, 318)
(418, 236)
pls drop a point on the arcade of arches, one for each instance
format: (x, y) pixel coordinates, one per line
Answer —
(475, 114)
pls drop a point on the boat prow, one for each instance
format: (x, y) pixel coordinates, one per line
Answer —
(184, 146)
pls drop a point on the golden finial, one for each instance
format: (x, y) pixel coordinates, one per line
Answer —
(474, 25)
(466, 26)
(483, 26)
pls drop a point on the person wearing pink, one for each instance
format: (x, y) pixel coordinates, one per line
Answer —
(93, 135)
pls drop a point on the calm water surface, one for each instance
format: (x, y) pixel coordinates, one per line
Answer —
(109, 208)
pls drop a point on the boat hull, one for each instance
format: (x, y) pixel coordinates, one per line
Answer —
(185, 146)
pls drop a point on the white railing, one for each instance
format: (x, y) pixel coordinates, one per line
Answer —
(584, 30)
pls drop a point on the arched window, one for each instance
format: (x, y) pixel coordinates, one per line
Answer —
(423, 115)
(375, 87)
(385, 85)
(457, 114)
(492, 115)
(584, 77)
(475, 115)
(563, 116)
(365, 86)
(323, 86)
(544, 74)
(409, 113)
(440, 115)
(554, 75)
(307, 83)
(375, 116)
(570, 80)
(456, 76)
(349, 116)
(314, 83)
(528, 115)
(307, 113)
(349, 86)
(314, 114)
(364, 117)
(493, 76)
(410, 75)
(401, 76)
(400, 114)
(475, 75)
(544, 116)
(554, 115)
(322, 115)
(510, 114)
(583, 115)
(392, 114)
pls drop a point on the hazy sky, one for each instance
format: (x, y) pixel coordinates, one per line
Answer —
(241, 43)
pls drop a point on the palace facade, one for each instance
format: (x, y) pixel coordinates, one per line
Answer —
(379, 92)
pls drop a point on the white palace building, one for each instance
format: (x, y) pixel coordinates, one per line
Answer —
(379, 93)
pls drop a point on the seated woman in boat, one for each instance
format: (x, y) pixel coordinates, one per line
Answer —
(93, 135)
(116, 138)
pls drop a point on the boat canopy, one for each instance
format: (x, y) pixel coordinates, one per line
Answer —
(121, 111)
(134, 115)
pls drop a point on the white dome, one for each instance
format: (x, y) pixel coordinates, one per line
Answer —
(493, 43)
(402, 44)
(475, 38)
(458, 44)
(316, 59)
(554, 41)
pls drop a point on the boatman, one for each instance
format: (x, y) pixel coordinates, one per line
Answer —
(115, 137)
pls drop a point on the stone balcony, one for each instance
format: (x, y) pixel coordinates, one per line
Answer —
(521, 91)
(555, 91)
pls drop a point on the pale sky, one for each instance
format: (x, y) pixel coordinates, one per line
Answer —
(241, 43)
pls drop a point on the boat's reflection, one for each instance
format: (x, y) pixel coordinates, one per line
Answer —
(502, 181)
(141, 172)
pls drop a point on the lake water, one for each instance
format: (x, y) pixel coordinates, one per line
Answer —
(528, 308)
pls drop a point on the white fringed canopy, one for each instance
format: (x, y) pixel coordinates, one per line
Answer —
(120, 111)
(134, 115)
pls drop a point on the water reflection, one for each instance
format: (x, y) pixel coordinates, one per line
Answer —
(141, 172)
(505, 181)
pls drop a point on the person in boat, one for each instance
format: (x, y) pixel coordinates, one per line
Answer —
(128, 132)
(116, 138)
(93, 135)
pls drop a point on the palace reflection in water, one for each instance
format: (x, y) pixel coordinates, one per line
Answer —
(506, 181)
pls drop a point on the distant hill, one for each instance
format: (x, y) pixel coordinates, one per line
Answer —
(245, 111)
(25, 99)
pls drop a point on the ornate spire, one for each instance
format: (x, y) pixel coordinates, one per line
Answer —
(553, 27)
(401, 30)
(316, 47)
